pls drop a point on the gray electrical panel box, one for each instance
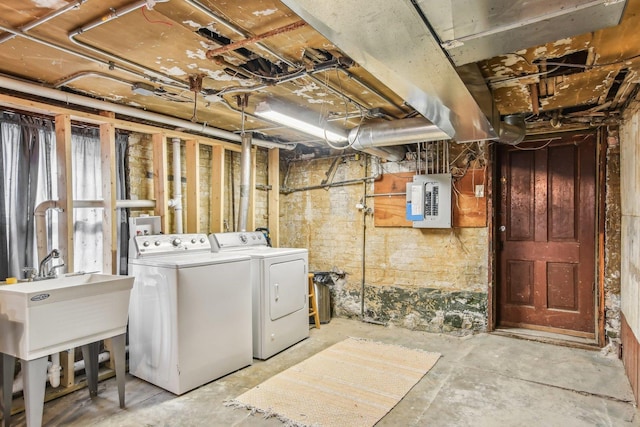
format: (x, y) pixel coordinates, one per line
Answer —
(429, 201)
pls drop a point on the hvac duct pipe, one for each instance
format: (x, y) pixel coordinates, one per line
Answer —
(512, 130)
(245, 181)
(176, 203)
(69, 98)
(380, 138)
(396, 132)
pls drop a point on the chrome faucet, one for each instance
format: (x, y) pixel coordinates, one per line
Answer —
(41, 270)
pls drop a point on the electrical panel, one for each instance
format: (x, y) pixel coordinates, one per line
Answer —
(429, 201)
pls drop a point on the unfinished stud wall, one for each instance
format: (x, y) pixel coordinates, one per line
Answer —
(423, 279)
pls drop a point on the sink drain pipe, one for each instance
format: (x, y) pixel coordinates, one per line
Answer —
(18, 382)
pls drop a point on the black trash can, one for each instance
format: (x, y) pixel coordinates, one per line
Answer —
(322, 281)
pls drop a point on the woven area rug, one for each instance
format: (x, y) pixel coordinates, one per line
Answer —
(352, 383)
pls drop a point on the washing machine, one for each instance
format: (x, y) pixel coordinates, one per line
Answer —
(190, 311)
(280, 290)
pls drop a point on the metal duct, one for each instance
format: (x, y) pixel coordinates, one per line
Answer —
(472, 30)
(69, 98)
(381, 138)
(512, 130)
(245, 181)
(390, 40)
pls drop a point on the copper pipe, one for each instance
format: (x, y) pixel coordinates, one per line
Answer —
(233, 46)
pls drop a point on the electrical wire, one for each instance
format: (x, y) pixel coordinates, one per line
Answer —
(167, 23)
(535, 148)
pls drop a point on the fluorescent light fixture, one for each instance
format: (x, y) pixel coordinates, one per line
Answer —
(300, 119)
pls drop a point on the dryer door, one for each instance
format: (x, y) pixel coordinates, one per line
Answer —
(287, 287)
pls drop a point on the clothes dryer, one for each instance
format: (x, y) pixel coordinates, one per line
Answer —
(280, 290)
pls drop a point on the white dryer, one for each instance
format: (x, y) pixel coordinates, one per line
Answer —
(190, 312)
(280, 290)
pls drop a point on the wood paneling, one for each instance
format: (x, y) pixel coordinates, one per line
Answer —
(160, 179)
(216, 223)
(520, 190)
(65, 188)
(548, 198)
(274, 196)
(390, 202)
(630, 351)
(562, 286)
(520, 282)
(562, 193)
(390, 211)
(109, 225)
(469, 210)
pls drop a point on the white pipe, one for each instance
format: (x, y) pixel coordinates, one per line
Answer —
(69, 98)
(132, 204)
(102, 357)
(18, 383)
(41, 210)
(245, 181)
(41, 225)
(53, 372)
(177, 185)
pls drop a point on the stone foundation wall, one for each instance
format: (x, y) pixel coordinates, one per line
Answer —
(423, 279)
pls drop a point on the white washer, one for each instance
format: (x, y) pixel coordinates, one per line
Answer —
(190, 312)
(280, 290)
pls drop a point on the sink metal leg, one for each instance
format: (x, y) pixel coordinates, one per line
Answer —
(7, 368)
(35, 382)
(118, 358)
(90, 356)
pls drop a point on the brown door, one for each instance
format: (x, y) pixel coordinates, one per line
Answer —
(546, 228)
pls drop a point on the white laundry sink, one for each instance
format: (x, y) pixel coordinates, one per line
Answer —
(47, 316)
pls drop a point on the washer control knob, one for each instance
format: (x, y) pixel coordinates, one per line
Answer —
(157, 243)
(193, 240)
(243, 238)
(202, 240)
(145, 243)
(176, 241)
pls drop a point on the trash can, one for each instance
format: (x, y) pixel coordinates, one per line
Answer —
(322, 281)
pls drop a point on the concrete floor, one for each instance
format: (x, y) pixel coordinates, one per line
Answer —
(482, 380)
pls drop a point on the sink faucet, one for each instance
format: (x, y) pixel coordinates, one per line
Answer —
(41, 270)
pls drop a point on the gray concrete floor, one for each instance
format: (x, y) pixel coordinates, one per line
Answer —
(482, 380)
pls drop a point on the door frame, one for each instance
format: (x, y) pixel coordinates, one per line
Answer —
(493, 187)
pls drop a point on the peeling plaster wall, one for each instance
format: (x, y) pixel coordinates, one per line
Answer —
(612, 246)
(630, 243)
(431, 280)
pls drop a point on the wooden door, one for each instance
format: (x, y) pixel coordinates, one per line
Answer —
(546, 228)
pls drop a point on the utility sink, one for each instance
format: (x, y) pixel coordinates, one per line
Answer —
(47, 316)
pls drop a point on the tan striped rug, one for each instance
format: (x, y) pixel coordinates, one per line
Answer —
(352, 383)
